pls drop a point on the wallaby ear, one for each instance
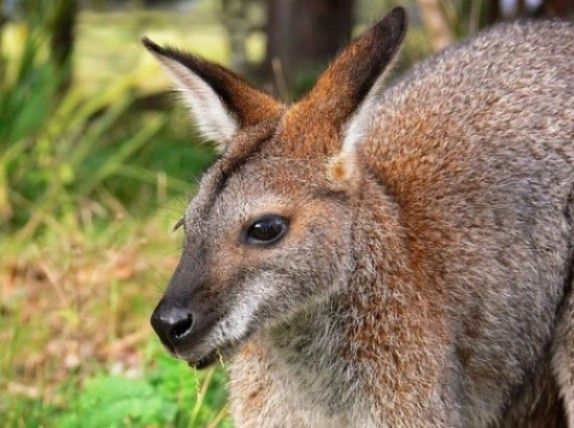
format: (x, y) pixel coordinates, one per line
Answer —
(221, 102)
(352, 84)
(395, 23)
(325, 114)
(351, 76)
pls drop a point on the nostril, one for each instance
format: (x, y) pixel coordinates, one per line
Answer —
(182, 327)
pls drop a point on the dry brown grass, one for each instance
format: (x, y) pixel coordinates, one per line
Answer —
(72, 304)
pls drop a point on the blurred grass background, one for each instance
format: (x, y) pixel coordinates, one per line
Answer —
(96, 165)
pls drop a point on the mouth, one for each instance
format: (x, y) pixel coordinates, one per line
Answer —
(219, 353)
(204, 362)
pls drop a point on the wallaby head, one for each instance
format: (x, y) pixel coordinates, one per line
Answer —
(270, 229)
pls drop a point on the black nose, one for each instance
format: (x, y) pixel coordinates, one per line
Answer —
(172, 323)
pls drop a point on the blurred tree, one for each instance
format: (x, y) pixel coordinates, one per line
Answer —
(510, 9)
(435, 23)
(304, 35)
(238, 24)
(445, 21)
(3, 20)
(564, 8)
(62, 31)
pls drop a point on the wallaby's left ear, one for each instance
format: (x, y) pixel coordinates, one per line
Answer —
(221, 102)
(391, 31)
(346, 94)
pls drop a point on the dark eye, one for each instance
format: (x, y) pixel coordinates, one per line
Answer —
(266, 230)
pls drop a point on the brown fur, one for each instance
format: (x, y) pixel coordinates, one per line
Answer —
(425, 277)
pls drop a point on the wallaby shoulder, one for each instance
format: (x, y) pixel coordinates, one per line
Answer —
(502, 99)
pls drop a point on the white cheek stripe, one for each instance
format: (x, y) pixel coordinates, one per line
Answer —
(236, 323)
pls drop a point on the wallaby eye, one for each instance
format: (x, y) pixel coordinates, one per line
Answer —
(266, 230)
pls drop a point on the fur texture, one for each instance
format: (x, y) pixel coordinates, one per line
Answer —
(425, 278)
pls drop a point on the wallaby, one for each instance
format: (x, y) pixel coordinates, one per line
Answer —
(389, 257)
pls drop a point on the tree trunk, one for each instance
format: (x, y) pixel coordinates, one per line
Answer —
(304, 35)
(63, 37)
(237, 25)
(561, 8)
(546, 8)
(3, 20)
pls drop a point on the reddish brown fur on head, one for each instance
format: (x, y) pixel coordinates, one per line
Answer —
(272, 170)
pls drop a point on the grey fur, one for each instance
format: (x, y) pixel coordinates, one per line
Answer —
(433, 288)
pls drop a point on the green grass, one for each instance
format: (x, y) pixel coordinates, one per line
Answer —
(166, 394)
(90, 187)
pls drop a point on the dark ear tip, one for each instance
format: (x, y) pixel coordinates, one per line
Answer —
(152, 46)
(393, 24)
(398, 12)
(398, 16)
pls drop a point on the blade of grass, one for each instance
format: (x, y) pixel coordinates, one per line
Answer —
(221, 415)
(200, 397)
(113, 163)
